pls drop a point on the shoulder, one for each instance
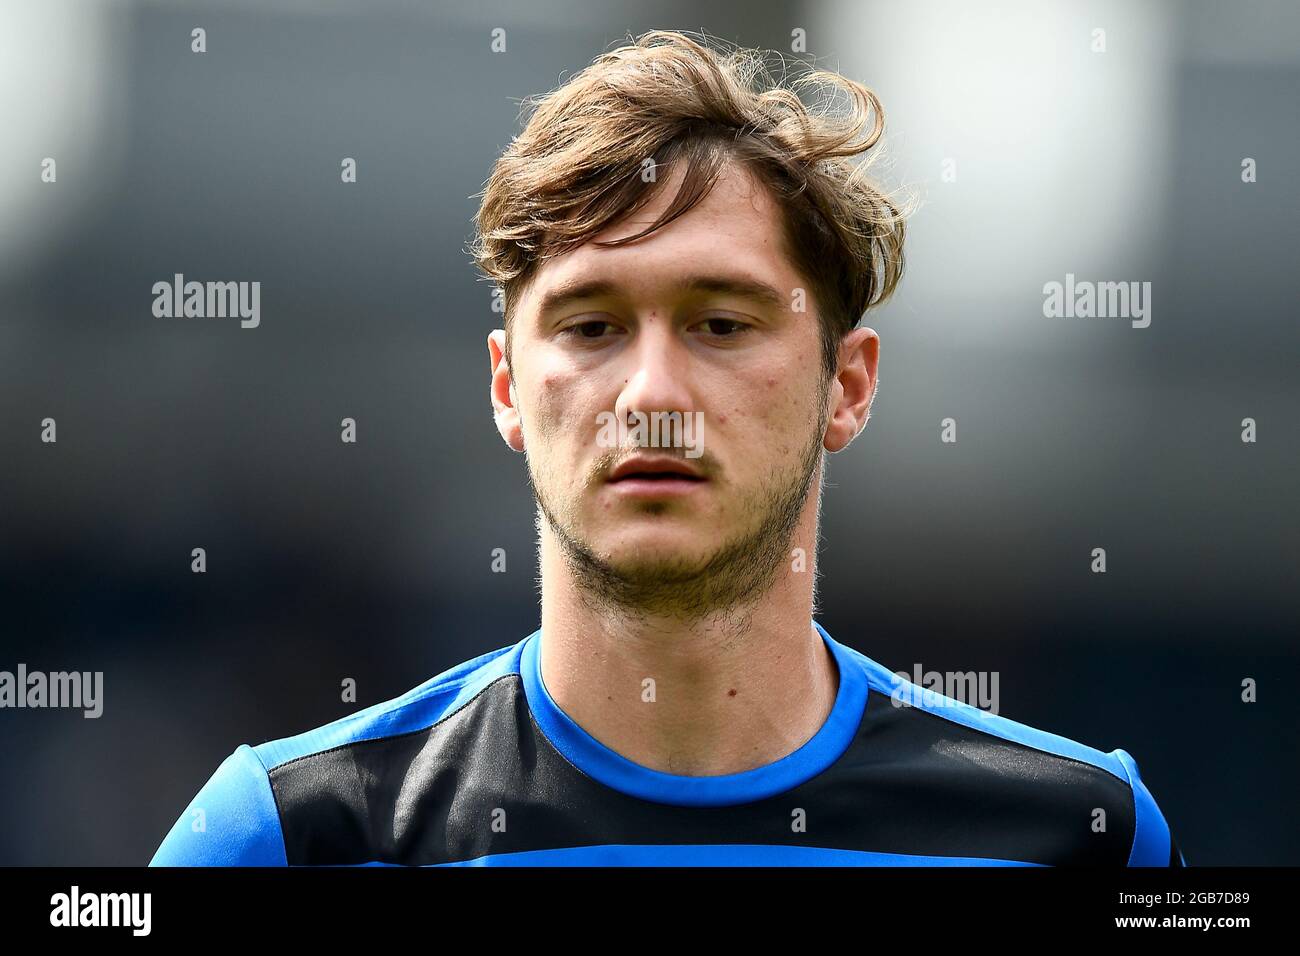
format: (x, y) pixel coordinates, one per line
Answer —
(235, 819)
(1095, 800)
(231, 821)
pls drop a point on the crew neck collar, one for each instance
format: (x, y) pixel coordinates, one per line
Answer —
(612, 769)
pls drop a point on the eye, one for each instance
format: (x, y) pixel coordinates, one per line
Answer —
(590, 330)
(723, 327)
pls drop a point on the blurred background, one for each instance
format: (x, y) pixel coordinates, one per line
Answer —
(372, 561)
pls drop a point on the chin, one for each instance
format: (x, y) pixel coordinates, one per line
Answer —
(642, 558)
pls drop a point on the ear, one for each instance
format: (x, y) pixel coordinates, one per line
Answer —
(852, 389)
(503, 392)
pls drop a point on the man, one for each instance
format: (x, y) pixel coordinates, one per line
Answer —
(685, 254)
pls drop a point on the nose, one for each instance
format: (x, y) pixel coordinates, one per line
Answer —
(658, 373)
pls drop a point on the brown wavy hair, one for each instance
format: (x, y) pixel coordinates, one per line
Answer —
(576, 167)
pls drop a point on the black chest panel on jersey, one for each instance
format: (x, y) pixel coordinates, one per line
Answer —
(485, 780)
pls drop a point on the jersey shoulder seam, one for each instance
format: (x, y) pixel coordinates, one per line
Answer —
(279, 816)
(1136, 815)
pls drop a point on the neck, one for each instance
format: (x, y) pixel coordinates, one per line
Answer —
(719, 694)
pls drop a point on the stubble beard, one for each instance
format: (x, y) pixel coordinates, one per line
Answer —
(724, 585)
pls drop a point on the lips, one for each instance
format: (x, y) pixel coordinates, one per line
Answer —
(649, 468)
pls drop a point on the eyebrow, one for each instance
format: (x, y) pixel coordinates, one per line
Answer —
(578, 289)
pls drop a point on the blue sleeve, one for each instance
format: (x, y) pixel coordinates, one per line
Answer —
(1153, 844)
(232, 821)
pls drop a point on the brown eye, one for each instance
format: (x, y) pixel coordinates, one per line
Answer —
(592, 329)
(723, 327)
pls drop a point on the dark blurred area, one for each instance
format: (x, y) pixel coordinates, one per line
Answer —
(372, 561)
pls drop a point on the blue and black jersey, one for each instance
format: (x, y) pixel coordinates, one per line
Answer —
(479, 766)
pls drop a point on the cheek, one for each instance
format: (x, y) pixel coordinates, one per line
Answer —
(773, 420)
(563, 407)
(779, 405)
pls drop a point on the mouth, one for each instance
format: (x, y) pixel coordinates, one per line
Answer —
(646, 486)
(655, 478)
(647, 468)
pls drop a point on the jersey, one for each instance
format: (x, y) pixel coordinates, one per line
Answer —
(480, 766)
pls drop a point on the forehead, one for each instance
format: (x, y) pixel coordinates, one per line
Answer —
(736, 230)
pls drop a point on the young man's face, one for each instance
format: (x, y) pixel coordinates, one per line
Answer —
(695, 318)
